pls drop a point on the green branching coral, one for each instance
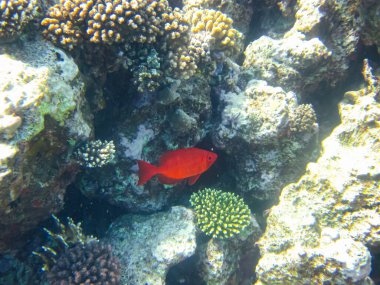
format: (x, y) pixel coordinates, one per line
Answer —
(220, 214)
(14, 15)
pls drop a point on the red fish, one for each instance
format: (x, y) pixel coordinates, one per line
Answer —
(177, 165)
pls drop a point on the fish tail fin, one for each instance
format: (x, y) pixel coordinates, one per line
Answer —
(146, 171)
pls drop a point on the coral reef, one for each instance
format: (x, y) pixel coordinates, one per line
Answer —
(148, 246)
(151, 126)
(90, 263)
(178, 42)
(96, 153)
(41, 100)
(324, 225)
(14, 16)
(220, 214)
(262, 119)
(310, 44)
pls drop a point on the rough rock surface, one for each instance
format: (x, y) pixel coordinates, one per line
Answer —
(369, 12)
(148, 246)
(176, 117)
(219, 259)
(259, 119)
(41, 93)
(324, 225)
(315, 51)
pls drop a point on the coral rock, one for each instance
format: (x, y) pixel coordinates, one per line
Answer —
(328, 220)
(148, 246)
(41, 95)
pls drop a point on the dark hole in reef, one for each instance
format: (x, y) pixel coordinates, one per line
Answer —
(375, 272)
(325, 99)
(184, 273)
(95, 215)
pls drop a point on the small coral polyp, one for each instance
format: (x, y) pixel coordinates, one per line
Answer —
(14, 15)
(220, 214)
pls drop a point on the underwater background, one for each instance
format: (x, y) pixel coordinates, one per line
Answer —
(283, 94)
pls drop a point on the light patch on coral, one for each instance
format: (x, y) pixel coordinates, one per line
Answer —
(133, 148)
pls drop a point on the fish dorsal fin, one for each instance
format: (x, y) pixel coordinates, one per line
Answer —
(193, 179)
(166, 180)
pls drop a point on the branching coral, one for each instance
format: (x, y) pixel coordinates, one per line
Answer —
(91, 263)
(65, 22)
(14, 15)
(136, 21)
(220, 214)
(109, 22)
(96, 153)
(66, 236)
(75, 258)
(210, 31)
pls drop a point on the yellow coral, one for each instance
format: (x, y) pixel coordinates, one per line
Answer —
(213, 27)
(14, 15)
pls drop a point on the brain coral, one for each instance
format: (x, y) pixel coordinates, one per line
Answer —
(220, 214)
(14, 15)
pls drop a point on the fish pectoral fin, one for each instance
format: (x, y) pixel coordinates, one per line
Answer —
(193, 179)
(166, 180)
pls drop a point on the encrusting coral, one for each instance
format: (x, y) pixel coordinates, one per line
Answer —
(220, 214)
(302, 119)
(14, 15)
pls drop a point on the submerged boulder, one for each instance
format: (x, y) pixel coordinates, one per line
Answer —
(148, 246)
(267, 135)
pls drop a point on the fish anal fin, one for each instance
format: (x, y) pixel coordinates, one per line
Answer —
(193, 179)
(166, 180)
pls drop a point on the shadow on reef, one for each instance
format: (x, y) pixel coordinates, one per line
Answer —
(95, 215)
(185, 273)
(375, 273)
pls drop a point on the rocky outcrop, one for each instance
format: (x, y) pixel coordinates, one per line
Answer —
(41, 94)
(148, 246)
(324, 226)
